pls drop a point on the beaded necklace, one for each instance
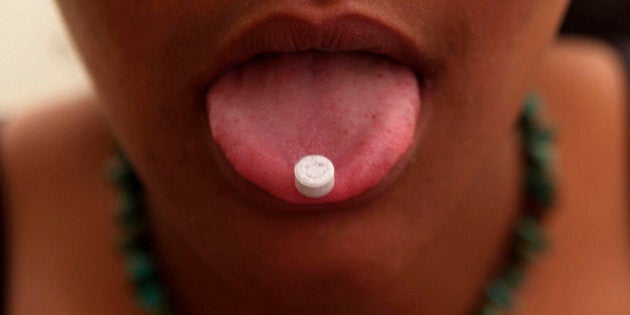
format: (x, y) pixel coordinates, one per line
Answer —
(528, 239)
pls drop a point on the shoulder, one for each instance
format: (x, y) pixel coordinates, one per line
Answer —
(585, 76)
(70, 124)
(585, 85)
(586, 270)
(57, 139)
(60, 210)
(45, 152)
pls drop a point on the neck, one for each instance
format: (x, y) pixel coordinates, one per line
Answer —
(448, 278)
(475, 243)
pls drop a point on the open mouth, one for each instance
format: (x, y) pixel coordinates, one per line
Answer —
(346, 88)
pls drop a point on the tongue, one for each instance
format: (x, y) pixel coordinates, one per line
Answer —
(359, 110)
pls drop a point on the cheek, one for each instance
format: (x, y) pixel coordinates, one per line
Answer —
(141, 57)
(472, 107)
(493, 52)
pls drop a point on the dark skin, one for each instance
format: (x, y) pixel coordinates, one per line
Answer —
(62, 236)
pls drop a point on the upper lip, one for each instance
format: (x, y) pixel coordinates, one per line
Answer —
(345, 32)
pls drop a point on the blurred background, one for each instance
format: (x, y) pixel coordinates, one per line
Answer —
(38, 64)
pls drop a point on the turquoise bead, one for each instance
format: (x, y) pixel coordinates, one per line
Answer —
(514, 275)
(499, 292)
(539, 153)
(489, 309)
(152, 297)
(540, 186)
(530, 239)
(530, 231)
(140, 266)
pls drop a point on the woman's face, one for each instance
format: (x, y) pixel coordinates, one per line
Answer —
(153, 62)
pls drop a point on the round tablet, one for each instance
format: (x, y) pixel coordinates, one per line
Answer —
(314, 176)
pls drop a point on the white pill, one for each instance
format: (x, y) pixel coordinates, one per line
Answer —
(314, 176)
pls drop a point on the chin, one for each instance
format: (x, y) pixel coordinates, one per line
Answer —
(327, 269)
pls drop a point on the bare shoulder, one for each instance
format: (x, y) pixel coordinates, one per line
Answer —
(586, 269)
(585, 85)
(60, 123)
(585, 81)
(60, 211)
(51, 147)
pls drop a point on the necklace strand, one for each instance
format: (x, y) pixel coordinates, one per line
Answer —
(527, 240)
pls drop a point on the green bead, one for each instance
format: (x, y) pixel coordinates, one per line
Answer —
(128, 211)
(529, 230)
(121, 173)
(142, 269)
(152, 297)
(127, 244)
(530, 239)
(540, 186)
(134, 241)
(489, 309)
(118, 170)
(514, 275)
(131, 189)
(132, 226)
(537, 137)
(499, 292)
(539, 154)
(140, 266)
(530, 108)
(125, 181)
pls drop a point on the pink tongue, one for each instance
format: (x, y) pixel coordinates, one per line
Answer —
(357, 109)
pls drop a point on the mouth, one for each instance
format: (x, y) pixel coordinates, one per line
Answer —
(347, 87)
(345, 32)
